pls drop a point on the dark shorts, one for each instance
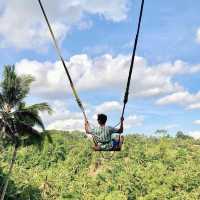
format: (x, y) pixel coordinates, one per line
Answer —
(115, 144)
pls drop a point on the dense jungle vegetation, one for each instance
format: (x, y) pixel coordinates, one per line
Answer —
(146, 169)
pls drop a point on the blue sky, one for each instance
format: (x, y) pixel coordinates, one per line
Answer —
(96, 41)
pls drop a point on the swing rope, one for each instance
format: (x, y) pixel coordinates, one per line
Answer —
(78, 100)
(126, 95)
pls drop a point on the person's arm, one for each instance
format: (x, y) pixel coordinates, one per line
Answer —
(87, 127)
(121, 128)
(118, 130)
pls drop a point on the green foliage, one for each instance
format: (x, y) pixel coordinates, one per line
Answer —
(181, 135)
(146, 169)
(13, 191)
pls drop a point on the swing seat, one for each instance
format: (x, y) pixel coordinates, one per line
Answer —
(116, 146)
(111, 149)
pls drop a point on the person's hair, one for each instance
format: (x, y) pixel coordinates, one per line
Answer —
(102, 118)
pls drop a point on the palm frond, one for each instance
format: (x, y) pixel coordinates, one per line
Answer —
(7, 125)
(40, 107)
(8, 84)
(7, 133)
(30, 135)
(26, 129)
(2, 101)
(29, 117)
(15, 88)
(2, 129)
(49, 138)
(25, 83)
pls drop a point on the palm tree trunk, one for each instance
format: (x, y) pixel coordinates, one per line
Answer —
(9, 172)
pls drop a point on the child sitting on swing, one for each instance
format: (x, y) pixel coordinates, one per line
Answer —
(102, 134)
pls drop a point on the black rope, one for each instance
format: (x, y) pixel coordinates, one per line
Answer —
(132, 60)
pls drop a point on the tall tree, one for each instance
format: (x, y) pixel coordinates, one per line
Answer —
(17, 120)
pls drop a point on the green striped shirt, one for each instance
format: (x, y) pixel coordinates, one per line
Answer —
(103, 135)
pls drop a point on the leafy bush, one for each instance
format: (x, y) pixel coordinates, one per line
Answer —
(146, 169)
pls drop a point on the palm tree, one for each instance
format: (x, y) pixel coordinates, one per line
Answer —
(17, 120)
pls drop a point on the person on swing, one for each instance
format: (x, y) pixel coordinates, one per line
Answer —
(102, 134)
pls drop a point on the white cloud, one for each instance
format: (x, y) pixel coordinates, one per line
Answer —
(61, 112)
(50, 78)
(27, 30)
(184, 98)
(85, 25)
(78, 123)
(23, 26)
(171, 126)
(115, 10)
(73, 123)
(196, 122)
(194, 134)
(63, 118)
(132, 121)
(97, 49)
(194, 106)
(194, 69)
(198, 36)
(106, 72)
(67, 125)
(108, 107)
